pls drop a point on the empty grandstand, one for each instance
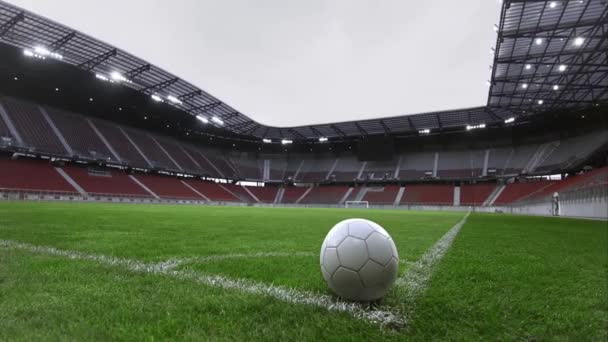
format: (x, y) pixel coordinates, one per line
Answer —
(96, 142)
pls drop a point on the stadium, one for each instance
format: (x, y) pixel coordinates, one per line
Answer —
(135, 205)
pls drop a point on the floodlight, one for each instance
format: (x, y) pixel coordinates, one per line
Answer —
(42, 51)
(286, 141)
(266, 141)
(525, 85)
(174, 99)
(555, 87)
(102, 77)
(217, 120)
(540, 102)
(578, 41)
(478, 126)
(528, 66)
(562, 67)
(156, 98)
(424, 131)
(538, 41)
(202, 119)
(323, 139)
(509, 120)
(118, 77)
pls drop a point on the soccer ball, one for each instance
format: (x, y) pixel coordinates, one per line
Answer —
(359, 260)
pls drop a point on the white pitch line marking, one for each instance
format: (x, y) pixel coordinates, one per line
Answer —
(176, 262)
(415, 281)
(366, 312)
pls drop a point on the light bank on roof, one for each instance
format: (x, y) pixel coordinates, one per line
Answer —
(549, 56)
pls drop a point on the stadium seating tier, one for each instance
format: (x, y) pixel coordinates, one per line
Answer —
(34, 175)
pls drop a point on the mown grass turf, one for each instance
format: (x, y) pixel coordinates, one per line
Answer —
(520, 278)
(84, 300)
(505, 278)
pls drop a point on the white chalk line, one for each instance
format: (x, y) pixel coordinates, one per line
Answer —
(415, 281)
(366, 312)
(176, 262)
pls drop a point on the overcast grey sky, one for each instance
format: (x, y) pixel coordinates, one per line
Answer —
(286, 63)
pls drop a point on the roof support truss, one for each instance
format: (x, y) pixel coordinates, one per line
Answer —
(230, 115)
(492, 114)
(316, 131)
(546, 58)
(62, 41)
(256, 126)
(533, 31)
(296, 133)
(95, 61)
(241, 125)
(190, 95)
(11, 23)
(159, 86)
(385, 127)
(204, 108)
(137, 71)
(409, 120)
(363, 132)
(337, 130)
(266, 132)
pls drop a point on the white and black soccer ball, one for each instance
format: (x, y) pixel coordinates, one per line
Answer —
(359, 260)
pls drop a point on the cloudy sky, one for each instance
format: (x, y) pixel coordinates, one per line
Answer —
(298, 62)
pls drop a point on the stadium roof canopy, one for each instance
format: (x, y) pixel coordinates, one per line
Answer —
(549, 56)
(554, 52)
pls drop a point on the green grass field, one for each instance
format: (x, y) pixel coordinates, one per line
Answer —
(504, 278)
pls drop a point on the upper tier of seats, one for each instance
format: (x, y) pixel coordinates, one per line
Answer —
(33, 127)
(4, 131)
(179, 156)
(150, 148)
(53, 131)
(80, 136)
(126, 151)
